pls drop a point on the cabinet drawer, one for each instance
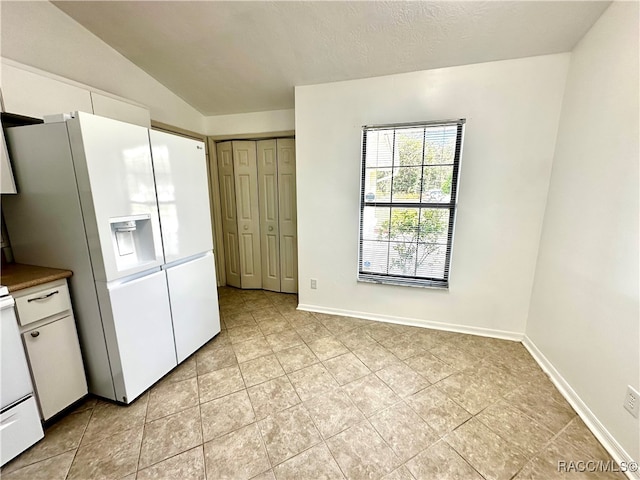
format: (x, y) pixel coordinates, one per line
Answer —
(20, 428)
(40, 302)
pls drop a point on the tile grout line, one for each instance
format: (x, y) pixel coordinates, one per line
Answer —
(75, 453)
(144, 427)
(257, 425)
(204, 457)
(464, 459)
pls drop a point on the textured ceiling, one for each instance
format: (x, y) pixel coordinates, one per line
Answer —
(234, 57)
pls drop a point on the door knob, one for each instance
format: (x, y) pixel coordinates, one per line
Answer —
(35, 334)
(270, 228)
(246, 227)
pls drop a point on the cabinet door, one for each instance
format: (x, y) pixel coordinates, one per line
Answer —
(120, 110)
(269, 229)
(34, 95)
(229, 220)
(7, 183)
(180, 170)
(287, 215)
(56, 365)
(246, 179)
(194, 304)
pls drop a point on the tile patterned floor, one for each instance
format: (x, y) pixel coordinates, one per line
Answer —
(285, 394)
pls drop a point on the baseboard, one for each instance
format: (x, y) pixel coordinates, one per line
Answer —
(414, 322)
(591, 421)
(599, 431)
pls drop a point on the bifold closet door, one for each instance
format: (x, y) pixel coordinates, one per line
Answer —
(245, 170)
(229, 220)
(268, 204)
(287, 215)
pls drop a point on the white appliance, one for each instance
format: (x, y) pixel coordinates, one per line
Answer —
(20, 425)
(135, 230)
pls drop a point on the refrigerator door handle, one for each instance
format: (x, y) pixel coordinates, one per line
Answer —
(186, 260)
(132, 278)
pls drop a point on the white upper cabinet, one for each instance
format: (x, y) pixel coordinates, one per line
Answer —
(110, 107)
(180, 169)
(7, 183)
(33, 95)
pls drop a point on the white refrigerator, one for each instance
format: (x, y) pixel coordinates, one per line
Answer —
(136, 232)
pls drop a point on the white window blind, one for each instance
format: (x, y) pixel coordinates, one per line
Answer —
(408, 202)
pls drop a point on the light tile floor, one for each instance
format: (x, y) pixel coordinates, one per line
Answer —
(286, 394)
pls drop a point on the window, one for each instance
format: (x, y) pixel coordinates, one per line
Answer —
(408, 202)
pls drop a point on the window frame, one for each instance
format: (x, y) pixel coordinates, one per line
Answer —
(405, 280)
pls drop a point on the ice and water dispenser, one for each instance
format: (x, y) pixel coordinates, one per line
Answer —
(132, 238)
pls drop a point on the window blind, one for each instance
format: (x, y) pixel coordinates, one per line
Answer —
(409, 188)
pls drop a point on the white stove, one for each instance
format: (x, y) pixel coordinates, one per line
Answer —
(20, 425)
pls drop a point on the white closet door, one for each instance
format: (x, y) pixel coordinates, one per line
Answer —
(246, 176)
(287, 215)
(229, 220)
(268, 203)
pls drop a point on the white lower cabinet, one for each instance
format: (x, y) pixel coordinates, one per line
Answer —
(56, 365)
(50, 339)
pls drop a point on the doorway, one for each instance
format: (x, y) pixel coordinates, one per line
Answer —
(257, 213)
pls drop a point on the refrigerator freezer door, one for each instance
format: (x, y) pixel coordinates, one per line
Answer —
(139, 333)
(180, 170)
(112, 161)
(194, 303)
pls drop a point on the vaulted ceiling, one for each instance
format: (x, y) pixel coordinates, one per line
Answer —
(233, 57)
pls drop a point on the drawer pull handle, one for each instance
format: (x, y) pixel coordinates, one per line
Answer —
(43, 297)
(35, 334)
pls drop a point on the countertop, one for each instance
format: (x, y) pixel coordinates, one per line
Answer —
(17, 276)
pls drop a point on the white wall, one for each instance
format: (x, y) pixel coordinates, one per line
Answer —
(512, 109)
(584, 315)
(40, 35)
(249, 123)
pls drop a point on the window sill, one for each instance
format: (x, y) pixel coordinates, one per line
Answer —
(363, 278)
